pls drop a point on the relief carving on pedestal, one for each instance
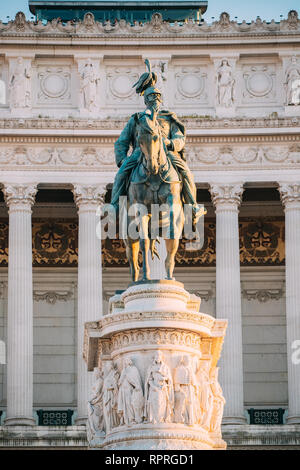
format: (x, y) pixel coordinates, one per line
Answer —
(186, 393)
(110, 397)
(189, 395)
(159, 392)
(218, 402)
(130, 396)
(95, 405)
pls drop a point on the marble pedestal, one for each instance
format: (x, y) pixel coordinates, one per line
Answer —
(156, 377)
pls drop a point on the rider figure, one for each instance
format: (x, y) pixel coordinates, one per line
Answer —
(173, 132)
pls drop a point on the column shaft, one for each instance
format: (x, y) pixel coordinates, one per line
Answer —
(228, 298)
(89, 284)
(20, 307)
(290, 195)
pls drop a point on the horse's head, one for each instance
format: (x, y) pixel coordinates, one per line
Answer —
(151, 147)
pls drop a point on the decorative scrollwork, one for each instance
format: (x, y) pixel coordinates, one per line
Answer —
(262, 242)
(55, 243)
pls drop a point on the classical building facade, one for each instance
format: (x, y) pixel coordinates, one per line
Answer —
(66, 93)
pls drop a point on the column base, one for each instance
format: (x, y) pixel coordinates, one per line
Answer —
(293, 420)
(234, 420)
(81, 421)
(20, 421)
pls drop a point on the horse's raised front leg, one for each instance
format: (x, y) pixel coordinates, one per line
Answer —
(132, 252)
(172, 247)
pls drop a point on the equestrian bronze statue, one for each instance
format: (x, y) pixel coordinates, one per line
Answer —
(153, 171)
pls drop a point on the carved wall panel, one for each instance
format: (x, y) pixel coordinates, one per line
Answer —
(54, 85)
(119, 85)
(259, 83)
(262, 242)
(191, 85)
(55, 243)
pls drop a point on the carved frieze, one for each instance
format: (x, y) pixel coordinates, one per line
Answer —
(262, 243)
(26, 156)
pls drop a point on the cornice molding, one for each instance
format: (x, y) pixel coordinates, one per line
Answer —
(156, 28)
(210, 139)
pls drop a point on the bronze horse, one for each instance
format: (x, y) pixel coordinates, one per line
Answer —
(154, 181)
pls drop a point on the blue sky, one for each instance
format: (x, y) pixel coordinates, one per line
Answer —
(248, 10)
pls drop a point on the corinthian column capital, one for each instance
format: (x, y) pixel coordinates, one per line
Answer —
(89, 195)
(19, 195)
(290, 194)
(229, 195)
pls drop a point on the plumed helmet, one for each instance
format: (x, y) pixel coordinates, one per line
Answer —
(146, 80)
(150, 90)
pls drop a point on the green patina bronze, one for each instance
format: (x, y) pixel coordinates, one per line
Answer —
(152, 170)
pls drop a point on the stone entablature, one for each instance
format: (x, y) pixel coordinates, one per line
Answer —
(204, 81)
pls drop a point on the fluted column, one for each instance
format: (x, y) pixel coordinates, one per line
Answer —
(290, 196)
(20, 198)
(87, 199)
(227, 198)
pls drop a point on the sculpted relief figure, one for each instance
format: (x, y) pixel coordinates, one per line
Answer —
(159, 392)
(292, 83)
(89, 83)
(130, 397)
(110, 398)
(218, 402)
(2, 91)
(205, 394)
(20, 86)
(185, 386)
(95, 404)
(225, 84)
